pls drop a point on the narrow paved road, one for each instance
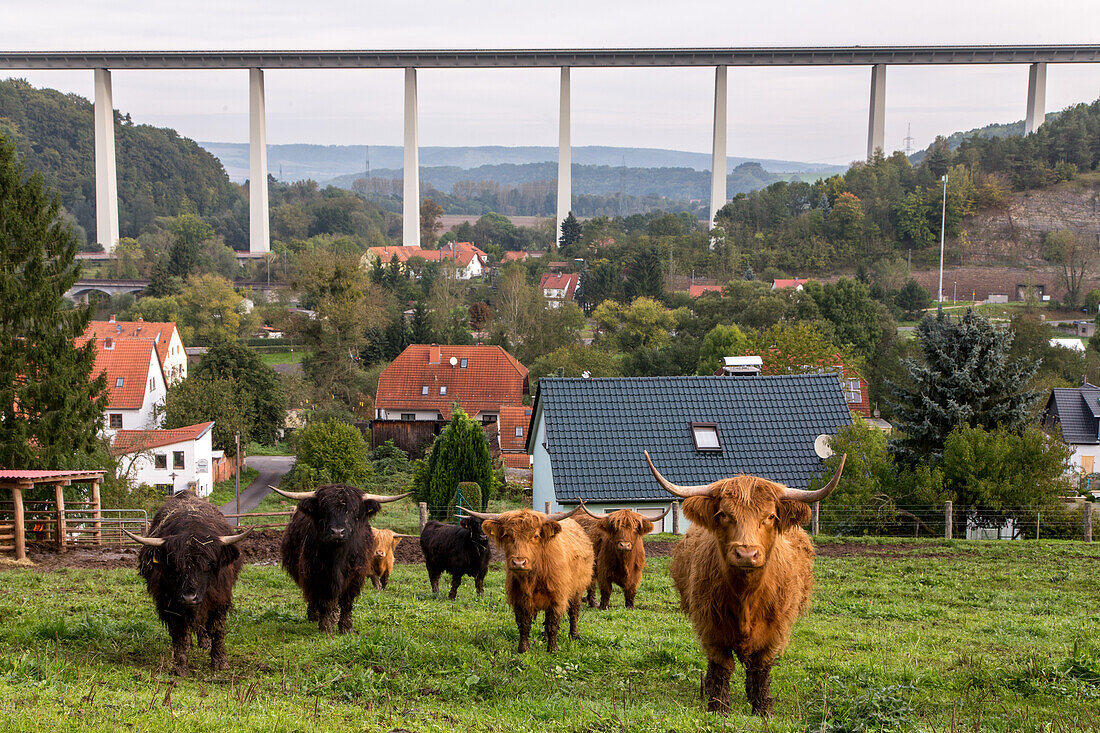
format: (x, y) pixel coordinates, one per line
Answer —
(271, 470)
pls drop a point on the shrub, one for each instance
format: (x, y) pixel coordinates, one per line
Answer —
(468, 494)
(331, 451)
(459, 453)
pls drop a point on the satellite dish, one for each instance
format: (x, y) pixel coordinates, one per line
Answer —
(454, 361)
(821, 447)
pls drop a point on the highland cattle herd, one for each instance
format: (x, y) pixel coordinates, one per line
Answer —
(743, 571)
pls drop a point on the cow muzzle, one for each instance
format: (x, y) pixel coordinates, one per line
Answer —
(626, 546)
(746, 557)
(190, 599)
(337, 534)
(519, 565)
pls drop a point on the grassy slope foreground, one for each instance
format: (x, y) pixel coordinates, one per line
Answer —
(1000, 637)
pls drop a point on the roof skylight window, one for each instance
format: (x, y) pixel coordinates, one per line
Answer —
(705, 436)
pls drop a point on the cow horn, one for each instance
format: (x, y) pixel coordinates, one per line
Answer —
(558, 516)
(684, 492)
(147, 541)
(479, 515)
(660, 516)
(232, 539)
(811, 496)
(382, 499)
(585, 510)
(295, 495)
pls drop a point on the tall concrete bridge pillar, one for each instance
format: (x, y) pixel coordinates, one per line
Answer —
(876, 124)
(106, 183)
(565, 154)
(718, 153)
(410, 205)
(1036, 97)
(259, 232)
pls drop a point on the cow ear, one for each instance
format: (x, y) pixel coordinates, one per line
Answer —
(308, 506)
(369, 507)
(702, 510)
(549, 530)
(396, 540)
(603, 524)
(645, 527)
(792, 513)
(491, 527)
(465, 524)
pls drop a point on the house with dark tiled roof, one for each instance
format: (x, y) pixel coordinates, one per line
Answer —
(171, 460)
(587, 435)
(425, 380)
(1073, 415)
(136, 383)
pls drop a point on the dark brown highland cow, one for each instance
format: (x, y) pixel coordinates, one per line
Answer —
(744, 573)
(620, 551)
(190, 565)
(548, 566)
(327, 547)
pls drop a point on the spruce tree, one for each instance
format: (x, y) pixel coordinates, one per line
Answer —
(570, 231)
(966, 378)
(460, 453)
(51, 410)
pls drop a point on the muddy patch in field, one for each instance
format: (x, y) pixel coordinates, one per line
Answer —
(899, 551)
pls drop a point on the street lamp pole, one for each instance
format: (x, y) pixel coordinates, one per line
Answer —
(237, 472)
(943, 228)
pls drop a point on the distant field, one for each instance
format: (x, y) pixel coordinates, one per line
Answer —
(451, 220)
(903, 636)
(284, 357)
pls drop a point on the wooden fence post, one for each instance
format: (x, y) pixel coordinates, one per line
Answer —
(18, 524)
(97, 513)
(547, 507)
(423, 514)
(675, 517)
(1088, 521)
(59, 492)
(948, 519)
(815, 518)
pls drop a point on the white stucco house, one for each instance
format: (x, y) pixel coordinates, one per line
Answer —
(1073, 414)
(165, 336)
(171, 460)
(136, 382)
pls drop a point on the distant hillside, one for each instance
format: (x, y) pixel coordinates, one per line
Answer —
(324, 162)
(996, 129)
(159, 172)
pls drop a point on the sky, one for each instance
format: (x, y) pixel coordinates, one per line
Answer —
(816, 114)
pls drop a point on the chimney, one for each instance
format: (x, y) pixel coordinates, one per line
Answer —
(435, 354)
(741, 366)
(112, 319)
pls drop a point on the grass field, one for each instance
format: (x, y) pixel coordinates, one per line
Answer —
(283, 357)
(936, 636)
(224, 491)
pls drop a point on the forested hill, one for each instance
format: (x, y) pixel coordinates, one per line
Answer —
(159, 172)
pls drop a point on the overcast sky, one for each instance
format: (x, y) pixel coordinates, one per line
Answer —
(810, 114)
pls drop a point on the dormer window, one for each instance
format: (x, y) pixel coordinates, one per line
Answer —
(705, 436)
(519, 431)
(118, 382)
(424, 390)
(442, 390)
(462, 364)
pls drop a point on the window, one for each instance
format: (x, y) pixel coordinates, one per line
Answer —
(705, 436)
(462, 364)
(165, 488)
(424, 390)
(118, 382)
(160, 460)
(852, 392)
(408, 416)
(519, 431)
(488, 419)
(442, 390)
(177, 459)
(114, 420)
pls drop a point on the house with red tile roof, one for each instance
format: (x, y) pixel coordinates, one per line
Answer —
(511, 256)
(170, 351)
(558, 287)
(694, 291)
(795, 282)
(470, 260)
(172, 460)
(857, 391)
(135, 381)
(514, 421)
(424, 381)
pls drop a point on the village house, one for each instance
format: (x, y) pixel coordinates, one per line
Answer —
(696, 291)
(469, 260)
(165, 336)
(513, 424)
(1073, 415)
(169, 460)
(795, 282)
(424, 381)
(857, 391)
(586, 436)
(136, 383)
(558, 288)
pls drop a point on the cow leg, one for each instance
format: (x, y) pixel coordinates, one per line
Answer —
(377, 581)
(215, 628)
(456, 580)
(181, 644)
(347, 600)
(551, 624)
(716, 685)
(605, 594)
(590, 597)
(758, 685)
(433, 578)
(313, 612)
(629, 594)
(479, 584)
(385, 580)
(327, 615)
(575, 617)
(523, 621)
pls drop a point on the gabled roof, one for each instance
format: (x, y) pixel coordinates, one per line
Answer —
(596, 430)
(794, 282)
(694, 291)
(160, 331)
(1077, 411)
(461, 252)
(511, 256)
(128, 359)
(132, 441)
(512, 417)
(492, 377)
(566, 281)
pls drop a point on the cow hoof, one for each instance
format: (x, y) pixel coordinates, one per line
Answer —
(180, 671)
(220, 665)
(523, 647)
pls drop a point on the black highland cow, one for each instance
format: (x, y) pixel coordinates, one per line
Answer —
(326, 547)
(459, 550)
(190, 564)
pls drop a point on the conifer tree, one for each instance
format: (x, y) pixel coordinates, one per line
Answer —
(51, 410)
(460, 453)
(966, 378)
(570, 231)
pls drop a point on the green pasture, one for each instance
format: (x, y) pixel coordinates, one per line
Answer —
(935, 636)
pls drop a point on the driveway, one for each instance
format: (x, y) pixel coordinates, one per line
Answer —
(271, 470)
